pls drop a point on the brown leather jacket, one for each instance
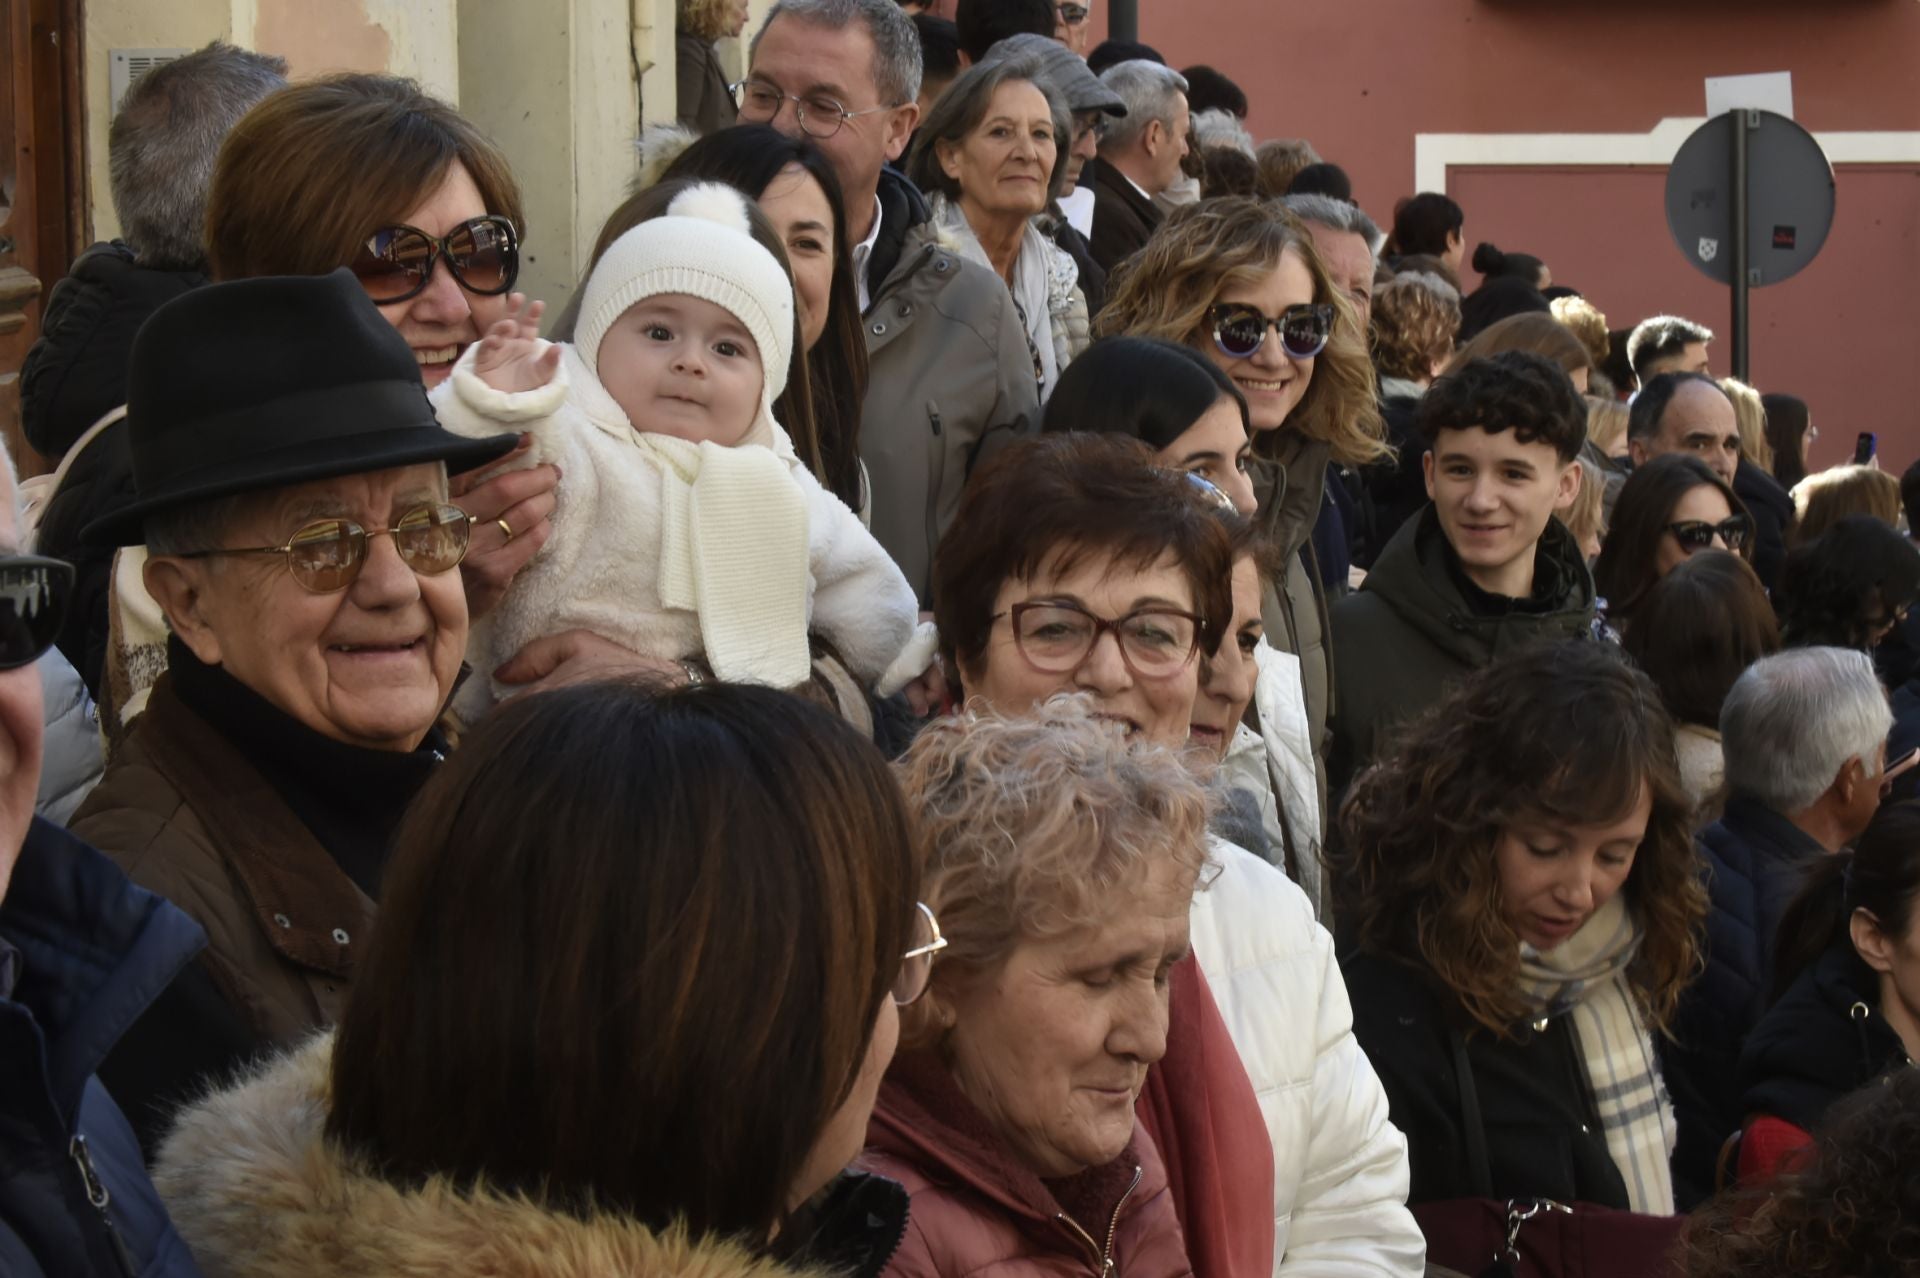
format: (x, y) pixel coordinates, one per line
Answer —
(186, 815)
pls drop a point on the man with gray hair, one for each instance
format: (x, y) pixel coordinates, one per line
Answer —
(951, 376)
(1805, 739)
(160, 153)
(1139, 157)
(1347, 240)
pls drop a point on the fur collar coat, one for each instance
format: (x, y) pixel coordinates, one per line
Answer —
(259, 1192)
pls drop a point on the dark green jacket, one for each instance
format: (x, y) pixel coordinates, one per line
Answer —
(1409, 634)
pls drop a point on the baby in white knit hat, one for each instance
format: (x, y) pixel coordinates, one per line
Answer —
(685, 527)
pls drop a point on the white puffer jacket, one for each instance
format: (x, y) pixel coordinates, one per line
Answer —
(1339, 1167)
(1276, 767)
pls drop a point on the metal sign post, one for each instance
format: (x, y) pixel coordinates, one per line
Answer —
(1123, 20)
(1749, 202)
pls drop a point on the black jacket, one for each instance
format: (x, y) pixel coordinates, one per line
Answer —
(77, 371)
(1412, 631)
(1772, 511)
(1823, 1040)
(74, 375)
(1391, 492)
(93, 951)
(1755, 861)
(1543, 1134)
(1123, 219)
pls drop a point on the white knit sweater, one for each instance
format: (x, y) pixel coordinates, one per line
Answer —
(629, 535)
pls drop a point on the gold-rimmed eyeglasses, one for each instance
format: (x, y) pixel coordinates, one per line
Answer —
(916, 968)
(327, 554)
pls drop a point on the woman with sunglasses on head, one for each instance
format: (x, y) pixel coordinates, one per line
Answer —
(370, 173)
(1077, 566)
(1240, 281)
(564, 1059)
(1669, 509)
(315, 629)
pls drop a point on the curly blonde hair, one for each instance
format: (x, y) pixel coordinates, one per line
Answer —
(1587, 323)
(707, 19)
(1204, 249)
(1415, 319)
(1033, 828)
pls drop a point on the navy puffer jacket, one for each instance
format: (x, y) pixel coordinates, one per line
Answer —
(92, 952)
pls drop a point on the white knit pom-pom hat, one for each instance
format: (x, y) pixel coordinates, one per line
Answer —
(703, 247)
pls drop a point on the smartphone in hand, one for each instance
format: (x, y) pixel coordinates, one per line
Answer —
(1865, 447)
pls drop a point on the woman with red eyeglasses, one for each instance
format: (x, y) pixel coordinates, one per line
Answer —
(1241, 283)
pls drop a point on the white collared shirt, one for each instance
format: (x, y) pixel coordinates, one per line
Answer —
(864, 250)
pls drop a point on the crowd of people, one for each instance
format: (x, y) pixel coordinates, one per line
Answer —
(1013, 687)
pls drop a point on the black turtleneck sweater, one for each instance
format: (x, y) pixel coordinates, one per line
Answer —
(350, 797)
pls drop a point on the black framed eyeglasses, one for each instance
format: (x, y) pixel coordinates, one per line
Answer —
(819, 115)
(916, 966)
(1072, 14)
(1155, 642)
(397, 262)
(1239, 330)
(327, 555)
(1697, 534)
(34, 594)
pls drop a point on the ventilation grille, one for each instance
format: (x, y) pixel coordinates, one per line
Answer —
(129, 65)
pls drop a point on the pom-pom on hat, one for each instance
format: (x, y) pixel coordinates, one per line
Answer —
(703, 247)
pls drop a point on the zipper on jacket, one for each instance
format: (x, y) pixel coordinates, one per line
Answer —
(936, 480)
(1113, 1228)
(97, 1195)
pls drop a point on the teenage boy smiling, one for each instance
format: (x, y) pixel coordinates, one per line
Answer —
(1483, 570)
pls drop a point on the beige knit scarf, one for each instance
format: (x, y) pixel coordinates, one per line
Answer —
(1586, 978)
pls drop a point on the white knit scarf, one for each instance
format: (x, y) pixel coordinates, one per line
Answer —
(1043, 283)
(1586, 978)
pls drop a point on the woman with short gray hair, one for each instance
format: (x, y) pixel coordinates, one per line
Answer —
(991, 156)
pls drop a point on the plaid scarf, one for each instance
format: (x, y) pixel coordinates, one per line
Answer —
(1586, 977)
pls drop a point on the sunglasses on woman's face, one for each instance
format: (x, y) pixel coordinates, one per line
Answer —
(1697, 534)
(1240, 330)
(396, 262)
(33, 605)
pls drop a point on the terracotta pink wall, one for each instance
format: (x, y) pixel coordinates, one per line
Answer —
(1360, 77)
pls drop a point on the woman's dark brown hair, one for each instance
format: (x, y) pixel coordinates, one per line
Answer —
(1050, 502)
(1698, 629)
(311, 172)
(794, 409)
(1854, 1210)
(632, 947)
(1629, 560)
(1565, 734)
(749, 157)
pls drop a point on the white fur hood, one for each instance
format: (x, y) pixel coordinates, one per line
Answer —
(258, 1192)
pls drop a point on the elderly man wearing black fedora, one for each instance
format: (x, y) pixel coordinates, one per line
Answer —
(293, 496)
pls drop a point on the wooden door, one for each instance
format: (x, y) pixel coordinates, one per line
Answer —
(42, 184)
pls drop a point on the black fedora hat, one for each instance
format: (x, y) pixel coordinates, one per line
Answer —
(263, 383)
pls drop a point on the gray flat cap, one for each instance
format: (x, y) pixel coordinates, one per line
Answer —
(1067, 70)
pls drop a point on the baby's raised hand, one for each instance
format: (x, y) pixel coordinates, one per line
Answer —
(510, 358)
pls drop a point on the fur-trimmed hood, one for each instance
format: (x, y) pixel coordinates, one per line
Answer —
(257, 1190)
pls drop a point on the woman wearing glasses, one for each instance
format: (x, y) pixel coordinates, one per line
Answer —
(1063, 862)
(1669, 509)
(366, 172)
(1076, 565)
(991, 156)
(1242, 284)
(563, 1058)
(303, 554)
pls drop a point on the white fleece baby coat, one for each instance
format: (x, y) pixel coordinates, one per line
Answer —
(738, 572)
